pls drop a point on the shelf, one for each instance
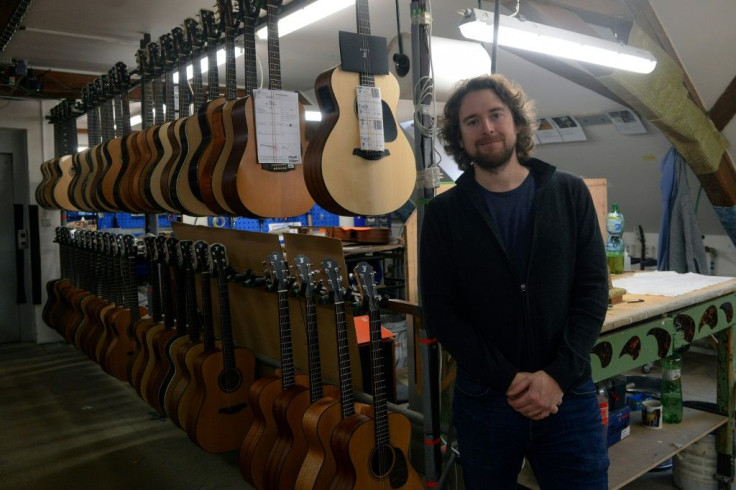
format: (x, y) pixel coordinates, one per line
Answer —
(646, 448)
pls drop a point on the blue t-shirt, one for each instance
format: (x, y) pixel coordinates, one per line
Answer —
(511, 211)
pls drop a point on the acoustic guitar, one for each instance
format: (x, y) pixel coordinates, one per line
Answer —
(208, 345)
(81, 162)
(109, 151)
(196, 128)
(289, 408)
(218, 420)
(219, 146)
(65, 164)
(121, 349)
(139, 360)
(165, 171)
(259, 440)
(373, 453)
(167, 132)
(269, 189)
(343, 178)
(112, 179)
(319, 465)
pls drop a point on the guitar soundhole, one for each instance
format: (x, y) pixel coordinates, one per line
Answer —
(230, 380)
(388, 462)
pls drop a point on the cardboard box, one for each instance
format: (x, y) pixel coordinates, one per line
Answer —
(619, 425)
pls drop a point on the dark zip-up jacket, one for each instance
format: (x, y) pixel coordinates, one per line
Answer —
(496, 323)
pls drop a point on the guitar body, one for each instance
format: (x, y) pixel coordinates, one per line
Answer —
(120, 351)
(137, 364)
(184, 403)
(263, 431)
(81, 171)
(101, 184)
(181, 379)
(210, 154)
(144, 184)
(116, 178)
(271, 194)
(290, 447)
(357, 457)
(150, 358)
(190, 204)
(342, 182)
(218, 418)
(160, 373)
(177, 354)
(169, 171)
(171, 151)
(223, 188)
(319, 466)
(61, 189)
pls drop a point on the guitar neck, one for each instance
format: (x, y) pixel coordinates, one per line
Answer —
(347, 398)
(131, 282)
(193, 326)
(208, 335)
(315, 365)
(380, 409)
(228, 347)
(230, 82)
(213, 75)
(249, 55)
(285, 343)
(158, 100)
(169, 89)
(199, 97)
(274, 58)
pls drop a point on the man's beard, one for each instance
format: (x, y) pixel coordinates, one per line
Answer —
(492, 161)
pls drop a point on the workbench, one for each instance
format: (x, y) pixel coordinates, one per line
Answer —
(644, 328)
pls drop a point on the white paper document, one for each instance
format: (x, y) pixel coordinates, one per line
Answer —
(277, 126)
(370, 117)
(666, 283)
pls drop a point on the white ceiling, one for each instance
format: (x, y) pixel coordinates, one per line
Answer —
(90, 36)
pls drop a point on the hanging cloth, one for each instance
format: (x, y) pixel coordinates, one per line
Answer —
(681, 247)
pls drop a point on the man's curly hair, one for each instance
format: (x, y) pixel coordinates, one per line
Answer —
(511, 94)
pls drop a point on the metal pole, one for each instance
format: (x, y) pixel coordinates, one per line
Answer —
(429, 349)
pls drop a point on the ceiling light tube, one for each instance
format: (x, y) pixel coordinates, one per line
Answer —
(308, 15)
(540, 38)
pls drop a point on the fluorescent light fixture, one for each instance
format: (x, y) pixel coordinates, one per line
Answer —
(530, 36)
(136, 120)
(308, 15)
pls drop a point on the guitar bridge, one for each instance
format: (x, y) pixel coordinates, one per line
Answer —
(233, 409)
(370, 154)
(278, 167)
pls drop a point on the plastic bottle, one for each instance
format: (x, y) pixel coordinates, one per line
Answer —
(615, 246)
(672, 389)
(603, 404)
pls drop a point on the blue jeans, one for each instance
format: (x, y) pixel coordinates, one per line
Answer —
(566, 450)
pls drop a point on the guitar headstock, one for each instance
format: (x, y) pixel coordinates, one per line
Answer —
(141, 59)
(334, 279)
(219, 259)
(186, 255)
(172, 251)
(209, 26)
(365, 278)
(112, 76)
(202, 256)
(278, 269)
(155, 60)
(168, 52)
(150, 243)
(99, 90)
(305, 274)
(85, 100)
(227, 19)
(195, 40)
(129, 244)
(122, 76)
(250, 9)
(182, 47)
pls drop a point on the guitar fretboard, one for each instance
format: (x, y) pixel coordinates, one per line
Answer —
(287, 357)
(249, 55)
(364, 28)
(274, 57)
(230, 83)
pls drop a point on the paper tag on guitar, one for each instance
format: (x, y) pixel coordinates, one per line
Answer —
(277, 126)
(370, 118)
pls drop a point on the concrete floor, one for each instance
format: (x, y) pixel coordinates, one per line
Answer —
(66, 424)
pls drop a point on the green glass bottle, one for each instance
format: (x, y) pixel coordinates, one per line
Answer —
(672, 389)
